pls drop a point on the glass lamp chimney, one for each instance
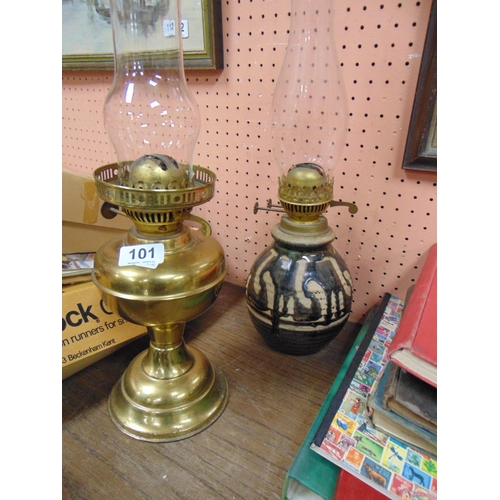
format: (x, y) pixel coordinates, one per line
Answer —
(309, 108)
(149, 110)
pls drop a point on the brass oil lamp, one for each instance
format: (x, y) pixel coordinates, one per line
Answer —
(164, 272)
(299, 289)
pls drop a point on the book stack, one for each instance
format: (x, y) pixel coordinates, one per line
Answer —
(364, 459)
(403, 404)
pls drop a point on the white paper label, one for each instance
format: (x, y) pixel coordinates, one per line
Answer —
(169, 28)
(142, 255)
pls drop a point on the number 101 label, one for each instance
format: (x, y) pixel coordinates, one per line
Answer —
(142, 255)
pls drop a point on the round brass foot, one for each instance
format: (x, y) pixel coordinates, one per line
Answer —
(168, 409)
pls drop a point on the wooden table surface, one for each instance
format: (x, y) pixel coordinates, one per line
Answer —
(245, 454)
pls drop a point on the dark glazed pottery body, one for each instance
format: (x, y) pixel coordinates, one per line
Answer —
(299, 299)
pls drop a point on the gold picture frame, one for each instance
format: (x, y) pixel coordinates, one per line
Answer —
(421, 143)
(87, 42)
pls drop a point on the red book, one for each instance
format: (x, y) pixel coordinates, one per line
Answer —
(414, 347)
(349, 487)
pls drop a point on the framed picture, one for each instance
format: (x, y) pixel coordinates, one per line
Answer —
(87, 41)
(421, 143)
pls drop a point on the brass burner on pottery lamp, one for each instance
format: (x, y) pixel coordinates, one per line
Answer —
(299, 289)
(164, 273)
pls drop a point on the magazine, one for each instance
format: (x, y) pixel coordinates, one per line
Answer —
(77, 267)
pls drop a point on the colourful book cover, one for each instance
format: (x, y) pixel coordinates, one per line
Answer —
(350, 441)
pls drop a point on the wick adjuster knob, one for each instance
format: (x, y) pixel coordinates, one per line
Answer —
(352, 207)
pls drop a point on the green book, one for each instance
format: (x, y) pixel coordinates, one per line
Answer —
(312, 477)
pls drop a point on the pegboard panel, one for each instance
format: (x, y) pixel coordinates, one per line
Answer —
(380, 49)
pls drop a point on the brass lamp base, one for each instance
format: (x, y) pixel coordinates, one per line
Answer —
(168, 409)
(170, 391)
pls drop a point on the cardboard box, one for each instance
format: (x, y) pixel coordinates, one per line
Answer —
(84, 229)
(89, 331)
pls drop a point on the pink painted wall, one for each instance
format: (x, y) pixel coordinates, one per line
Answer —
(380, 46)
